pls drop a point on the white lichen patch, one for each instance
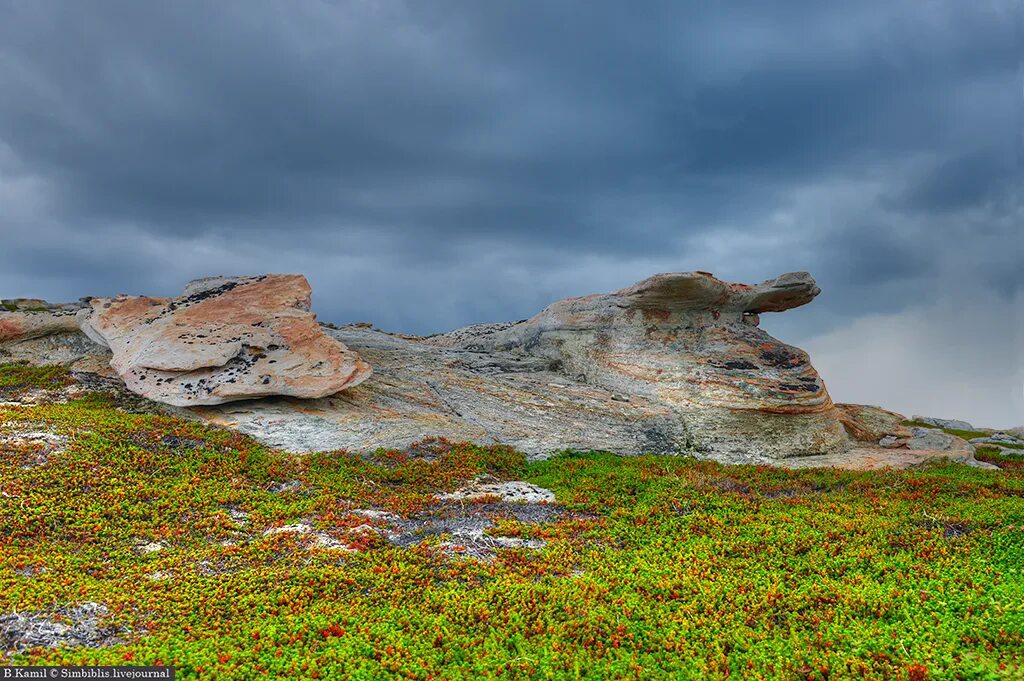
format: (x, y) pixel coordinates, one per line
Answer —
(487, 487)
(149, 547)
(319, 539)
(35, 447)
(238, 516)
(67, 627)
(377, 514)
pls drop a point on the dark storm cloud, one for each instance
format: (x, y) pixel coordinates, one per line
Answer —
(434, 164)
(962, 181)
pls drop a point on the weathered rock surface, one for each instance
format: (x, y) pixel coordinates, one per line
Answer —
(419, 390)
(223, 339)
(999, 438)
(871, 458)
(71, 348)
(675, 364)
(22, 319)
(872, 424)
(81, 625)
(932, 438)
(1005, 443)
(879, 426)
(38, 332)
(672, 365)
(689, 342)
(486, 487)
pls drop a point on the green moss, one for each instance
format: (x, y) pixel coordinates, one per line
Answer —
(11, 306)
(20, 376)
(967, 434)
(669, 568)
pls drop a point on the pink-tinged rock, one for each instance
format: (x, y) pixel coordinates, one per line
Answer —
(224, 339)
(24, 319)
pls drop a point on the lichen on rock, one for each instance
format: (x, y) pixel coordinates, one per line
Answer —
(223, 339)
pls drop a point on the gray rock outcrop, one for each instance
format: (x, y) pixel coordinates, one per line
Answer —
(952, 424)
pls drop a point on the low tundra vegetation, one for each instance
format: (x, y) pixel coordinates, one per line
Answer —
(17, 378)
(157, 530)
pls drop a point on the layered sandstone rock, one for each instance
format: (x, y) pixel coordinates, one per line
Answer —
(22, 319)
(419, 390)
(675, 364)
(223, 339)
(689, 342)
(881, 440)
(38, 332)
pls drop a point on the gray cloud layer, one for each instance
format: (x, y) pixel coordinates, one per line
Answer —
(434, 164)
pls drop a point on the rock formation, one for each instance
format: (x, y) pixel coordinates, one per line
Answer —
(223, 339)
(875, 425)
(24, 319)
(420, 390)
(691, 343)
(675, 364)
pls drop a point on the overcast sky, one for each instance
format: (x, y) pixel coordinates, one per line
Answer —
(433, 164)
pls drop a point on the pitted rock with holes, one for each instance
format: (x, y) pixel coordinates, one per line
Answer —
(223, 339)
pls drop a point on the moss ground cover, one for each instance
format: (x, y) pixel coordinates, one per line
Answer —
(15, 378)
(665, 567)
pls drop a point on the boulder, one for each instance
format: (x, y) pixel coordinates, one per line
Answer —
(934, 439)
(223, 339)
(866, 423)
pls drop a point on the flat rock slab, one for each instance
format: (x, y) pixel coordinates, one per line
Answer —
(874, 458)
(998, 438)
(952, 424)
